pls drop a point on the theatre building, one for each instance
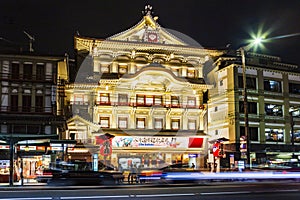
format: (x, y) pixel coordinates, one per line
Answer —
(145, 87)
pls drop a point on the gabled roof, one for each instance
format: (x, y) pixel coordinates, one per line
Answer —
(148, 28)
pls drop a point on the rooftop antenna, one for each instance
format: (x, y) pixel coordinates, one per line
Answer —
(31, 39)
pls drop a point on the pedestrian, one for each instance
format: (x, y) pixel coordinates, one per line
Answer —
(193, 166)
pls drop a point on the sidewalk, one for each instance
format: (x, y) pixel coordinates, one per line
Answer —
(26, 182)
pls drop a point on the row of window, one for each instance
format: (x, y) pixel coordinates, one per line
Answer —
(270, 109)
(141, 123)
(269, 85)
(141, 100)
(123, 69)
(271, 135)
(27, 129)
(26, 71)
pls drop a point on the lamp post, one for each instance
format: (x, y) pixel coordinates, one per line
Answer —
(245, 96)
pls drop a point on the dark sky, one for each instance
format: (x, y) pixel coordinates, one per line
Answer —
(212, 23)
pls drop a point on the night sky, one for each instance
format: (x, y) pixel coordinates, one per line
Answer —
(212, 23)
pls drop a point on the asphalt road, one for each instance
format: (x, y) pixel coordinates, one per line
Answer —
(212, 191)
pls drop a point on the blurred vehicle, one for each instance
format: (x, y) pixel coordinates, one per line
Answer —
(147, 175)
(80, 173)
(44, 176)
(288, 166)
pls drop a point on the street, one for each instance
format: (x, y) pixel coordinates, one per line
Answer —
(218, 190)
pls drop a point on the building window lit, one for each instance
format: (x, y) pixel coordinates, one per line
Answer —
(140, 123)
(122, 123)
(191, 102)
(104, 99)
(104, 122)
(274, 135)
(158, 100)
(158, 123)
(78, 99)
(273, 110)
(272, 86)
(175, 101)
(122, 99)
(192, 124)
(175, 124)
(140, 100)
(191, 73)
(149, 100)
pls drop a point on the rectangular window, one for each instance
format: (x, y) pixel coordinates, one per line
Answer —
(122, 99)
(272, 86)
(5, 69)
(140, 123)
(274, 135)
(175, 101)
(140, 100)
(14, 103)
(15, 70)
(104, 122)
(192, 124)
(39, 103)
(273, 110)
(78, 99)
(27, 71)
(122, 123)
(175, 124)
(158, 123)
(250, 82)
(191, 102)
(191, 73)
(294, 88)
(158, 100)
(253, 131)
(26, 103)
(33, 129)
(40, 72)
(104, 99)
(149, 100)
(252, 107)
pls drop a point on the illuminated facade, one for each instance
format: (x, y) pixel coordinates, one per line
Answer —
(144, 86)
(273, 105)
(32, 97)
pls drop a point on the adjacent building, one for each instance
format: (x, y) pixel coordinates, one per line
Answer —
(273, 89)
(32, 110)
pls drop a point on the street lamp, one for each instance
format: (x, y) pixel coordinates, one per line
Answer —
(243, 50)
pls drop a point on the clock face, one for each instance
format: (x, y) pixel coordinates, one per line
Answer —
(152, 37)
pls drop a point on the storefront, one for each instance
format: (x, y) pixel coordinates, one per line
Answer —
(156, 152)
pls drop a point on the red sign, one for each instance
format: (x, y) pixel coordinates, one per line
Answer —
(105, 145)
(195, 142)
(216, 149)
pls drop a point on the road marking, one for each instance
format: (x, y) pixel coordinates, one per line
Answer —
(96, 197)
(29, 198)
(165, 195)
(221, 193)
